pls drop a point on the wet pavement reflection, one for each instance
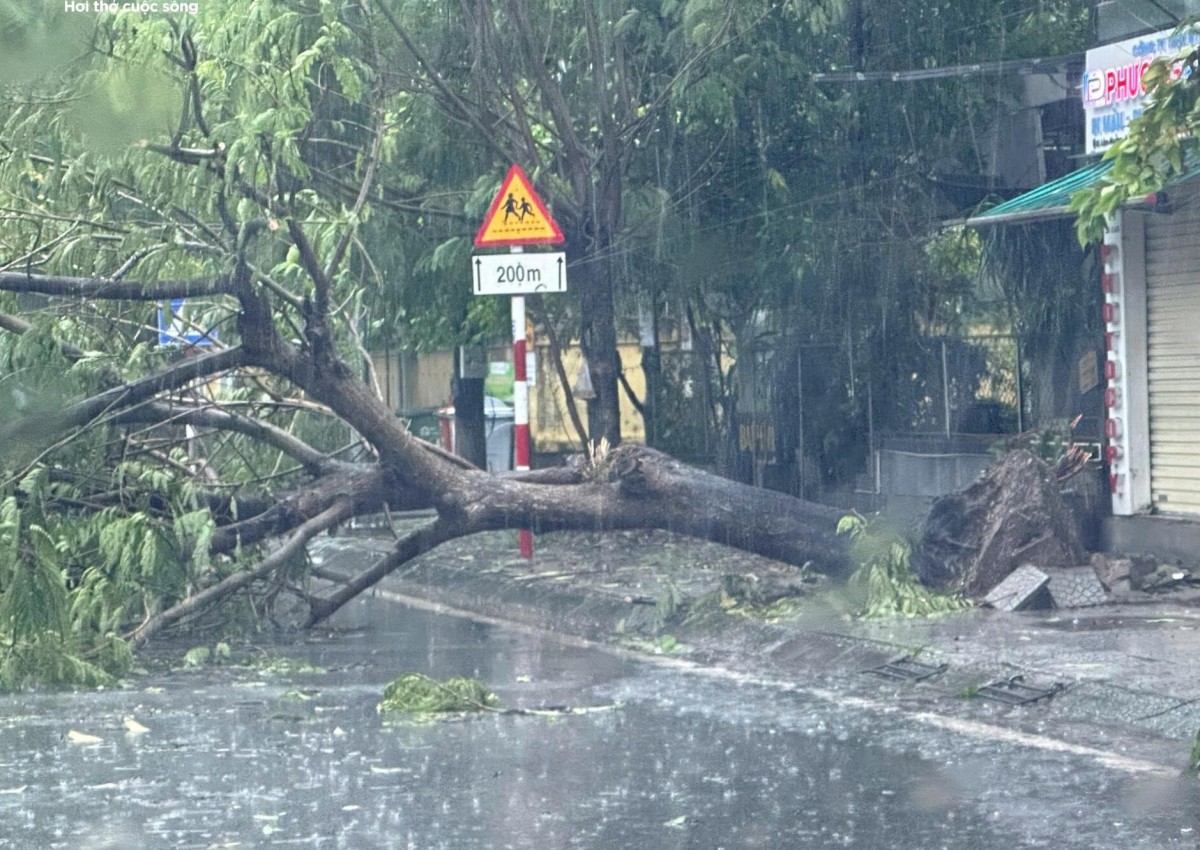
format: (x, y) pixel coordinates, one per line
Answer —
(275, 755)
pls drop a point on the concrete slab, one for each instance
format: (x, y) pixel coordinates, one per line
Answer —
(1024, 589)
(1075, 587)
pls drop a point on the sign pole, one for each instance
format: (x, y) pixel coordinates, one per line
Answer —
(520, 406)
(518, 217)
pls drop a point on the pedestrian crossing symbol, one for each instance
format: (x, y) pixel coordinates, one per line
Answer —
(517, 216)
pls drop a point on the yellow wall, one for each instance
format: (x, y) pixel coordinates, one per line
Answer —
(412, 382)
(409, 382)
(550, 425)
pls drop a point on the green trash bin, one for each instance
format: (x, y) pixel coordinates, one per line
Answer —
(424, 424)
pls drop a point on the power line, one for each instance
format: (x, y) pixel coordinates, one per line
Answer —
(1043, 65)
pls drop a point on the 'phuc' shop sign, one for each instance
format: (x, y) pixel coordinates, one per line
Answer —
(1112, 88)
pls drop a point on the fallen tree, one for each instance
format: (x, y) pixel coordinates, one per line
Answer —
(143, 485)
(156, 468)
(970, 540)
(628, 487)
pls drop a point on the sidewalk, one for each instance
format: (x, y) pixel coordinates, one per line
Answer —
(1126, 677)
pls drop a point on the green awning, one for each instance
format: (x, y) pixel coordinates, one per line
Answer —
(1050, 200)
(1053, 199)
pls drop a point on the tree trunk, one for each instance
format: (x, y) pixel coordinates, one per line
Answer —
(644, 488)
(633, 487)
(603, 359)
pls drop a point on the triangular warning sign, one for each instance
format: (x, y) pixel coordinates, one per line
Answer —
(517, 216)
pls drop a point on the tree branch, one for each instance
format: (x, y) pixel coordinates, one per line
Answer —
(576, 153)
(44, 429)
(340, 510)
(312, 265)
(390, 198)
(406, 548)
(469, 114)
(313, 461)
(719, 39)
(110, 289)
(336, 385)
(14, 324)
(364, 190)
(365, 485)
(186, 156)
(637, 403)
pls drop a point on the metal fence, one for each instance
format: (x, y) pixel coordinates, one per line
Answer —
(847, 424)
(919, 421)
(957, 385)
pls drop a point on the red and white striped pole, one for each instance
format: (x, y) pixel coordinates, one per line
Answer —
(520, 407)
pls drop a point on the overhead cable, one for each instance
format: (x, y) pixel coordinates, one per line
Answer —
(1043, 65)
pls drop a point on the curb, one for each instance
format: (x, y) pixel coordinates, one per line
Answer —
(1131, 718)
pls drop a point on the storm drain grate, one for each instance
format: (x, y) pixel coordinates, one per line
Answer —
(907, 669)
(1014, 691)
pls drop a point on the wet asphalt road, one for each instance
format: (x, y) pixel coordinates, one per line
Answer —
(252, 757)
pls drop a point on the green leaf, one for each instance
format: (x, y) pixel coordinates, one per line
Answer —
(626, 22)
(197, 656)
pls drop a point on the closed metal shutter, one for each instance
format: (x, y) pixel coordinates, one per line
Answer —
(1173, 338)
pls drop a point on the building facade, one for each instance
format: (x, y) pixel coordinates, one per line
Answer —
(1149, 274)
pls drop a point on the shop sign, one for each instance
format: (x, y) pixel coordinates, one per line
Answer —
(1112, 88)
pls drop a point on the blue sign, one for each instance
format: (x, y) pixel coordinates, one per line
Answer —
(174, 329)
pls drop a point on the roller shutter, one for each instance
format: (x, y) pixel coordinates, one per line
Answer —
(1173, 337)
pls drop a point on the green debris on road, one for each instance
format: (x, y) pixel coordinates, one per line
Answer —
(418, 694)
(884, 583)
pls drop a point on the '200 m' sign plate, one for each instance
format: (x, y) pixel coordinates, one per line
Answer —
(519, 274)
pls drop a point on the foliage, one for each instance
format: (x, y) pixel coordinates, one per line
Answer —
(948, 271)
(741, 596)
(1049, 300)
(884, 579)
(1055, 28)
(116, 521)
(202, 656)
(416, 693)
(48, 659)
